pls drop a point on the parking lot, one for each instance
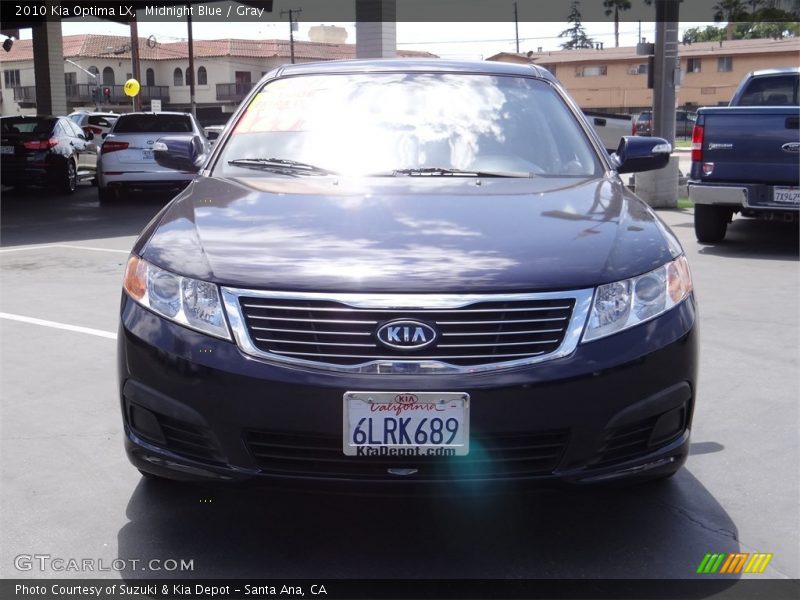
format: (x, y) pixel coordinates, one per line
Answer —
(68, 490)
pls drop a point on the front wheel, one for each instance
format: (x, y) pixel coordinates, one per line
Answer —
(710, 222)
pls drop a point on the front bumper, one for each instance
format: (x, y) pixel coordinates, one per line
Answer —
(196, 408)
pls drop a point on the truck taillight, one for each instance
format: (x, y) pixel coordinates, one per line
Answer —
(697, 143)
(40, 144)
(113, 146)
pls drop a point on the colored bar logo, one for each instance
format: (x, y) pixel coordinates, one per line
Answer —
(738, 562)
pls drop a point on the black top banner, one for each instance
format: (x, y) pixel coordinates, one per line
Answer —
(26, 12)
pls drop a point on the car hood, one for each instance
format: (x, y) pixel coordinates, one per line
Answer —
(408, 234)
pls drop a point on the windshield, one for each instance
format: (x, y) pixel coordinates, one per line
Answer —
(153, 123)
(374, 124)
(771, 91)
(34, 125)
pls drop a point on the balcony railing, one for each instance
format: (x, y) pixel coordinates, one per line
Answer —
(233, 92)
(81, 93)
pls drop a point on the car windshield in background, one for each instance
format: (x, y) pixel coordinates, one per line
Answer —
(26, 125)
(432, 124)
(154, 123)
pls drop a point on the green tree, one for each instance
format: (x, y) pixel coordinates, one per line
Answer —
(615, 7)
(731, 11)
(576, 34)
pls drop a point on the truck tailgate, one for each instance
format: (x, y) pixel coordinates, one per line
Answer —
(750, 145)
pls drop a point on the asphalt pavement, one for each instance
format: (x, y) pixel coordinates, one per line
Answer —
(67, 490)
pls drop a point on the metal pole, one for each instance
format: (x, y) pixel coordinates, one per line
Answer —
(516, 26)
(191, 61)
(291, 36)
(665, 69)
(660, 188)
(137, 70)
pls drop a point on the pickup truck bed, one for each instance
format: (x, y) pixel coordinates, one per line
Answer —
(744, 159)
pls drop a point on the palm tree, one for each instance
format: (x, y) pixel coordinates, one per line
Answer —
(615, 7)
(730, 11)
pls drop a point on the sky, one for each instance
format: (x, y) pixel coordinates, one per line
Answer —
(468, 41)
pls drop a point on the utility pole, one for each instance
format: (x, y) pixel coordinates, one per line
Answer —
(660, 188)
(136, 70)
(292, 27)
(192, 102)
(516, 26)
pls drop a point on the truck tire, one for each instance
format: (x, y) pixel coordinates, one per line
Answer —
(710, 222)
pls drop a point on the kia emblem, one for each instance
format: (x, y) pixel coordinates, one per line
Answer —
(406, 334)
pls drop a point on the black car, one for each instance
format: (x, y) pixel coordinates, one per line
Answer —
(408, 275)
(45, 150)
(684, 123)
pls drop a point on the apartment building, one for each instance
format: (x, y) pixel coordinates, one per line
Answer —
(615, 79)
(225, 71)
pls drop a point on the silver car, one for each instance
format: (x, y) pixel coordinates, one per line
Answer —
(125, 162)
(96, 123)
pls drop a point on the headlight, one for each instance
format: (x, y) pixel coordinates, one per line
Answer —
(190, 302)
(626, 303)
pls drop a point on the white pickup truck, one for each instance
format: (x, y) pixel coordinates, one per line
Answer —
(610, 127)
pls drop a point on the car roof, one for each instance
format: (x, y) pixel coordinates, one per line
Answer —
(162, 112)
(32, 117)
(780, 71)
(422, 65)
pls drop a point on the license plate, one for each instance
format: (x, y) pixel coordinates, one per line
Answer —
(147, 154)
(406, 424)
(6, 149)
(786, 195)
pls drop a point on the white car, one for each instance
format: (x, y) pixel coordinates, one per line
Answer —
(96, 123)
(125, 161)
(213, 132)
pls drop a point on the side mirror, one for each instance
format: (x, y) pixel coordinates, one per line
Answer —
(87, 134)
(180, 152)
(640, 153)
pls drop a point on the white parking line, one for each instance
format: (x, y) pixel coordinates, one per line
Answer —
(44, 323)
(72, 246)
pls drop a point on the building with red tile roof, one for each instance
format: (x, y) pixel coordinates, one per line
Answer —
(226, 70)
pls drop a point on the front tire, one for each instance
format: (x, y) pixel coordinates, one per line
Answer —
(710, 222)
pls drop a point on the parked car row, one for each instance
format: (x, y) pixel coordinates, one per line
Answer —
(113, 151)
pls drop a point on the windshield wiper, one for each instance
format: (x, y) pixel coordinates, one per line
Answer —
(284, 165)
(447, 172)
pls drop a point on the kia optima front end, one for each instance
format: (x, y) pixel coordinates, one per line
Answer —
(408, 276)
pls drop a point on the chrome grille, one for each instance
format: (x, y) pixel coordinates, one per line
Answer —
(340, 331)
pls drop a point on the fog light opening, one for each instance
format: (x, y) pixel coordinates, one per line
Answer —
(669, 425)
(145, 424)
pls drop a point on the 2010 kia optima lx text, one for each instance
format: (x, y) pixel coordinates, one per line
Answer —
(413, 275)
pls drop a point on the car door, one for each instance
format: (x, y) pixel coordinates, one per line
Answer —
(85, 160)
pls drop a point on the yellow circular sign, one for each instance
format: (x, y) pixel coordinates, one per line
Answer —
(131, 87)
